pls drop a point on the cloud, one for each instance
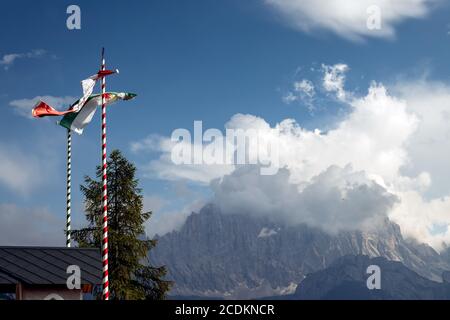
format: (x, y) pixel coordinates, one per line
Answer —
(395, 141)
(9, 59)
(23, 106)
(429, 101)
(317, 170)
(334, 79)
(305, 87)
(332, 82)
(152, 143)
(153, 203)
(166, 219)
(423, 213)
(337, 199)
(22, 226)
(302, 91)
(22, 171)
(289, 97)
(164, 168)
(348, 18)
(371, 138)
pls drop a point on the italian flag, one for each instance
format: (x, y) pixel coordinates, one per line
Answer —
(42, 109)
(78, 120)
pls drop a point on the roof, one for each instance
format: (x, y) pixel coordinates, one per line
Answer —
(48, 265)
(6, 279)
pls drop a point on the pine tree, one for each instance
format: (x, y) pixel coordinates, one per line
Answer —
(131, 275)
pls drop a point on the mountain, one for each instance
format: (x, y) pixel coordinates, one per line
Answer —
(346, 279)
(245, 257)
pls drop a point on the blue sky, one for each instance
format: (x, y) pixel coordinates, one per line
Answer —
(186, 60)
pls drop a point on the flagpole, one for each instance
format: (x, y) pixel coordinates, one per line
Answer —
(69, 178)
(105, 188)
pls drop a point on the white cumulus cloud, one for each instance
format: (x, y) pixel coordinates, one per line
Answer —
(8, 60)
(302, 91)
(334, 79)
(390, 153)
(337, 199)
(304, 86)
(348, 18)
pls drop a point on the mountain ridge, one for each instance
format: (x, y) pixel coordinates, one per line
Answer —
(245, 257)
(345, 279)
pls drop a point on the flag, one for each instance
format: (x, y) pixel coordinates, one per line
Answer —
(42, 109)
(88, 86)
(76, 121)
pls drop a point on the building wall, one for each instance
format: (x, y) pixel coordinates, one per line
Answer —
(49, 293)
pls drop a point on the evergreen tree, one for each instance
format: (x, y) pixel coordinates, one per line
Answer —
(131, 275)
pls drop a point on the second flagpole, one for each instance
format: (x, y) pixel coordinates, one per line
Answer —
(69, 178)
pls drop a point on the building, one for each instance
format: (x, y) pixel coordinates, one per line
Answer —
(42, 273)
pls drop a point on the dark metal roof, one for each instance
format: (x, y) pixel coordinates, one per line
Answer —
(48, 265)
(6, 279)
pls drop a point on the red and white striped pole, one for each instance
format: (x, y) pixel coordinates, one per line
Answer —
(105, 188)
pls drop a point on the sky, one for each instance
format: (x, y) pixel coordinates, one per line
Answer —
(358, 114)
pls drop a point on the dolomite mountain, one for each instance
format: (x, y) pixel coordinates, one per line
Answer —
(244, 257)
(346, 279)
